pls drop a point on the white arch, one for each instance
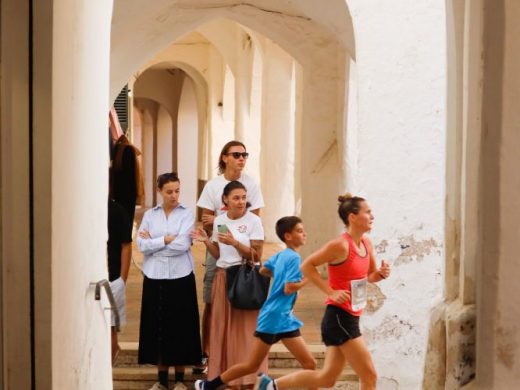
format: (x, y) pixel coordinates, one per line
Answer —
(294, 31)
(164, 23)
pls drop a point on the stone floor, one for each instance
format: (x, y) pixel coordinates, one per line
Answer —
(309, 306)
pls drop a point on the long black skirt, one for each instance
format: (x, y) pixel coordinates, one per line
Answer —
(169, 333)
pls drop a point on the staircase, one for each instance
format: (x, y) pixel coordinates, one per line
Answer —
(128, 375)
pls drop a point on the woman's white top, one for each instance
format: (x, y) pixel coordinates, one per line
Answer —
(170, 261)
(244, 229)
(211, 196)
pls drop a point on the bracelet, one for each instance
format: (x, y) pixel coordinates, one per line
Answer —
(381, 275)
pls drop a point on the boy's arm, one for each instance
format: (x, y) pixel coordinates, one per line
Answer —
(293, 276)
(267, 268)
(266, 272)
(292, 287)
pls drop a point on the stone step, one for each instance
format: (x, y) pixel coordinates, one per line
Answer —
(128, 375)
(145, 385)
(143, 377)
(279, 356)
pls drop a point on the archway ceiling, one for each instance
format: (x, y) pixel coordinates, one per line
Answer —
(192, 38)
(141, 28)
(334, 17)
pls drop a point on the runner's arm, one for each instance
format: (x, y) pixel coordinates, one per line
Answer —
(292, 287)
(331, 252)
(376, 274)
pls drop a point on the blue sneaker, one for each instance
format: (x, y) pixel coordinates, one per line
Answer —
(263, 382)
(200, 384)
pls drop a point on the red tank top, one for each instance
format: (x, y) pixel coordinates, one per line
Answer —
(351, 272)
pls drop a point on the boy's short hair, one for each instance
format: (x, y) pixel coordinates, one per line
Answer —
(286, 225)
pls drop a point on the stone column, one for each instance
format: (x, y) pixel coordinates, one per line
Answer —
(278, 136)
(450, 358)
(321, 174)
(70, 171)
(498, 364)
(243, 83)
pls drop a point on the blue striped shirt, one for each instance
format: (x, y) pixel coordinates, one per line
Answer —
(170, 261)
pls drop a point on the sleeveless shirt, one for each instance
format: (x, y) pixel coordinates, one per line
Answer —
(351, 275)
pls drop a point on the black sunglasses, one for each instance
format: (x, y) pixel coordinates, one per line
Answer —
(236, 155)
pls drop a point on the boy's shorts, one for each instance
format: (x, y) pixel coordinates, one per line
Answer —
(338, 326)
(273, 338)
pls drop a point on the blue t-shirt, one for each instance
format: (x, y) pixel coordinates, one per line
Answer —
(276, 315)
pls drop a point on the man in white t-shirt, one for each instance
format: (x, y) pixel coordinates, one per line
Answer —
(232, 161)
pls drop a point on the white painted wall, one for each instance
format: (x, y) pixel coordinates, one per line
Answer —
(254, 133)
(188, 144)
(164, 141)
(147, 150)
(137, 129)
(221, 110)
(278, 137)
(400, 61)
(80, 325)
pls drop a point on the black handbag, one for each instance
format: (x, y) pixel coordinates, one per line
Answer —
(246, 288)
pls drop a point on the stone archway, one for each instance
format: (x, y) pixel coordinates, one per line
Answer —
(295, 30)
(71, 63)
(182, 91)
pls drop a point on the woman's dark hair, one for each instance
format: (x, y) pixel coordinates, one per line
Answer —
(166, 178)
(224, 151)
(348, 204)
(233, 185)
(286, 225)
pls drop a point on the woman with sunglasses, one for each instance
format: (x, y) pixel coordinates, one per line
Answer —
(231, 163)
(169, 333)
(237, 234)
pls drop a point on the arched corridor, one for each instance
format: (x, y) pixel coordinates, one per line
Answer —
(247, 38)
(191, 143)
(410, 104)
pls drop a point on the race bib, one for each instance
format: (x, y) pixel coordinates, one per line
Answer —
(358, 293)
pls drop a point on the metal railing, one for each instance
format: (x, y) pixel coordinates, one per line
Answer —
(113, 307)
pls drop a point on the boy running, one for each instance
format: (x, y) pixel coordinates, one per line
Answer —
(276, 320)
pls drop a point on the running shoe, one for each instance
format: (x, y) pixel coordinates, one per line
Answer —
(200, 384)
(263, 382)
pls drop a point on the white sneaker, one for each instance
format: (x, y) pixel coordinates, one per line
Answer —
(179, 386)
(158, 386)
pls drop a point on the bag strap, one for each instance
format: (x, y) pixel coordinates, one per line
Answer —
(246, 261)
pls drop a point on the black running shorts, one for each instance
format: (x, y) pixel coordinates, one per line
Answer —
(338, 326)
(270, 338)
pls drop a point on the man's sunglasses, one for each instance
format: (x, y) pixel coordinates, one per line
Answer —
(236, 155)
